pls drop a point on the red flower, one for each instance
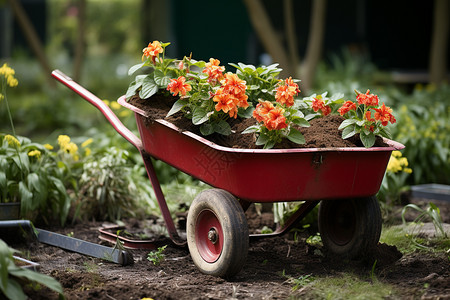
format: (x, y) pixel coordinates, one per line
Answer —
(368, 116)
(367, 99)
(319, 104)
(152, 50)
(178, 86)
(285, 93)
(346, 107)
(384, 114)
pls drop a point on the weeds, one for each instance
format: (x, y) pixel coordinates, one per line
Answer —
(157, 256)
(432, 212)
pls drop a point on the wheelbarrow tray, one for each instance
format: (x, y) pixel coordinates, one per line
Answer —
(267, 175)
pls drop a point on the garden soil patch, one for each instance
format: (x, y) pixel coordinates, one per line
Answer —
(413, 276)
(323, 132)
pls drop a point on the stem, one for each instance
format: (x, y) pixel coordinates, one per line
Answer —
(7, 107)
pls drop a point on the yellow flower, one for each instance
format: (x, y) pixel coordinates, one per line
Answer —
(72, 148)
(87, 151)
(8, 73)
(35, 153)
(1, 96)
(115, 105)
(398, 163)
(87, 142)
(106, 102)
(12, 141)
(48, 147)
(396, 153)
(63, 140)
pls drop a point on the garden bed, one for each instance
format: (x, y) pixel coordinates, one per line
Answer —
(411, 276)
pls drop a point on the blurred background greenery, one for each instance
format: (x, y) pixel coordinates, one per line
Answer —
(335, 46)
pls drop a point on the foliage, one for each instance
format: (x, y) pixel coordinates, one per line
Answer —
(394, 180)
(359, 118)
(301, 281)
(37, 177)
(106, 188)
(12, 276)
(157, 256)
(423, 130)
(432, 212)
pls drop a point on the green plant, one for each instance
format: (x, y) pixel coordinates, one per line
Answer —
(106, 188)
(157, 256)
(298, 282)
(422, 129)
(394, 180)
(12, 277)
(359, 118)
(432, 212)
(35, 176)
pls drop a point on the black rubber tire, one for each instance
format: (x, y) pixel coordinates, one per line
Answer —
(350, 227)
(223, 208)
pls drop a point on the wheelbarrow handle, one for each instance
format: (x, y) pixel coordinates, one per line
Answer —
(106, 111)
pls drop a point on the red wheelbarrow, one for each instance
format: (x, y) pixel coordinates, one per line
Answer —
(344, 180)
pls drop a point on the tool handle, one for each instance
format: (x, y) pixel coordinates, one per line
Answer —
(106, 111)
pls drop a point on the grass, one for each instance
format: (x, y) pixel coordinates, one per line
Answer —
(348, 286)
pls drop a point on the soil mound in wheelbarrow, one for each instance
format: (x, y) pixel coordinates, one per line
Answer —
(323, 132)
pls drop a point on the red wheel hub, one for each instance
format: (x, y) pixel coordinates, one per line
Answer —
(208, 236)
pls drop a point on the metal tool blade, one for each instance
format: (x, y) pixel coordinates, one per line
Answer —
(76, 245)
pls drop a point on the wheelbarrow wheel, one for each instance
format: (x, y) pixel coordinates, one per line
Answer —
(350, 227)
(217, 233)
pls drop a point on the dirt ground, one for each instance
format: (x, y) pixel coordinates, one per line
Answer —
(414, 276)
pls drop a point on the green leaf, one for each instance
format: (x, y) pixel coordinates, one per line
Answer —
(269, 145)
(386, 132)
(177, 106)
(348, 131)
(206, 129)
(302, 122)
(346, 123)
(149, 88)
(246, 112)
(135, 68)
(43, 279)
(26, 198)
(222, 127)
(160, 79)
(199, 116)
(368, 140)
(296, 136)
(251, 129)
(262, 140)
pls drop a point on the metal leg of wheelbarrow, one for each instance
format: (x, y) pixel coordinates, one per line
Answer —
(173, 233)
(290, 223)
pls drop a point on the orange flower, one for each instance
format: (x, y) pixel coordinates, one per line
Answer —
(225, 102)
(368, 116)
(261, 110)
(178, 86)
(319, 104)
(214, 71)
(285, 93)
(367, 99)
(275, 119)
(152, 50)
(346, 107)
(384, 114)
(233, 84)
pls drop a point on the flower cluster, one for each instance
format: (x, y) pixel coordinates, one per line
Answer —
(271, 116)
(209, 96)
(366, 117)
(285, 92)
(231, 95)
(397, 163)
